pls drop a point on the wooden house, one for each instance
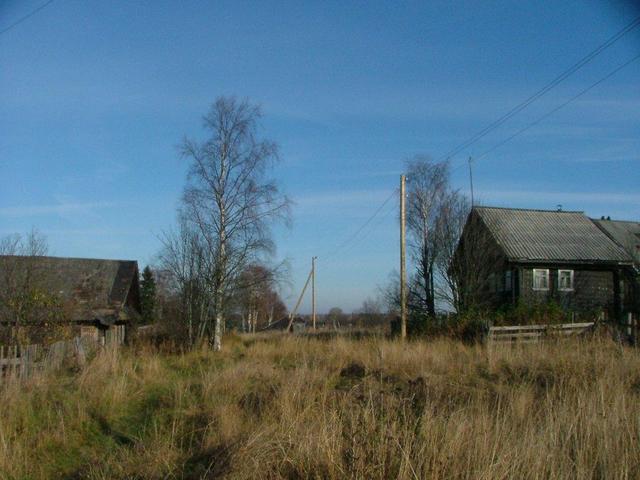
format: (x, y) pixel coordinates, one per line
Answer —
(95, 298)
(627, 235)
(538, 256)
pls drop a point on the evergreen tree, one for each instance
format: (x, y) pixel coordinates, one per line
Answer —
(148, 295)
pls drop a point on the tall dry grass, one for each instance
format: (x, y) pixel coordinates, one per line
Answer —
(284, 407)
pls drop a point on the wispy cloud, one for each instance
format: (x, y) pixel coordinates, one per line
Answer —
(630, 104)
(343, 198)
(620, 150)
(61, 209)
(369, 174)
(612, 197)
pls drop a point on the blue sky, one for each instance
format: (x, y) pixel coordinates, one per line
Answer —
(95, 96)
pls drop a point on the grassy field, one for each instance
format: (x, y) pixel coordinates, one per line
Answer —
(291, 407)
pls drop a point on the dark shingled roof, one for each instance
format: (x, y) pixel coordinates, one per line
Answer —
(624, 233)
(550, 236)
(89, 288)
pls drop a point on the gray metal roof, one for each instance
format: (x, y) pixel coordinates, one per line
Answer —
(87, 287)
(550, 236)
(626, 234)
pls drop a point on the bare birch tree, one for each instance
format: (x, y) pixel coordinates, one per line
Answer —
(389, 293)
(427, 187)
(257, 300)
(229, 201)
(189, 263)
(451, 219)
(472, 263)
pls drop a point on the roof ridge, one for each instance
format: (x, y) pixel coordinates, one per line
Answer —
(68, 258)
(573, 237)
(637, 222)
(529, 209)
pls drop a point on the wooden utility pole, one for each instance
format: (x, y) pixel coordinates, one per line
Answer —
(403, 266)
(293, 312)
(313, 291)
(471, 179)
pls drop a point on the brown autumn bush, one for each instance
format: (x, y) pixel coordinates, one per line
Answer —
(291, 407)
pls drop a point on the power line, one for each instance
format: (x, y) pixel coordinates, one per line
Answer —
(562, 105)
(362, 227)
(391, 212)
(556, 81)
(26, 17)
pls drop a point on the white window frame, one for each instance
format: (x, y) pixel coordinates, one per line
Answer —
(570, 288)
(540, 289)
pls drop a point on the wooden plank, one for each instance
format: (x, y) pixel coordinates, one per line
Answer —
(512, 328)
(542, 327)
(516, 342)
(503, 338)
(10, 361)
(518, 335)
(574, 325)
(549, 333)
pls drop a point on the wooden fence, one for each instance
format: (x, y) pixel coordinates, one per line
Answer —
(534, 333)
(22, 360)
(115, 335)
(19, 359)
(631, 328)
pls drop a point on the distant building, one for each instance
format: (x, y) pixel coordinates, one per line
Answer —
(297, 325)
(536, 256)
(97, 298)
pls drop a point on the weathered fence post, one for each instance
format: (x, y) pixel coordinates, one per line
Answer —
(80, 353)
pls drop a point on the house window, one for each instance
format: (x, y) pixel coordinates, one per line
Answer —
(507, 281)
(565, 280)
(541, 279)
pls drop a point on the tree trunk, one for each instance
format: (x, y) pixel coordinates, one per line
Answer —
(217, 334)
(432, 294)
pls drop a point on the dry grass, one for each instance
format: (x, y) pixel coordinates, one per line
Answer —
(285, 407)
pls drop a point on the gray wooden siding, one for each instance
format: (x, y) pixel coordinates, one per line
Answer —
(593, 289)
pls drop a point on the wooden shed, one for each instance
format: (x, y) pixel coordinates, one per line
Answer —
(97, 298)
